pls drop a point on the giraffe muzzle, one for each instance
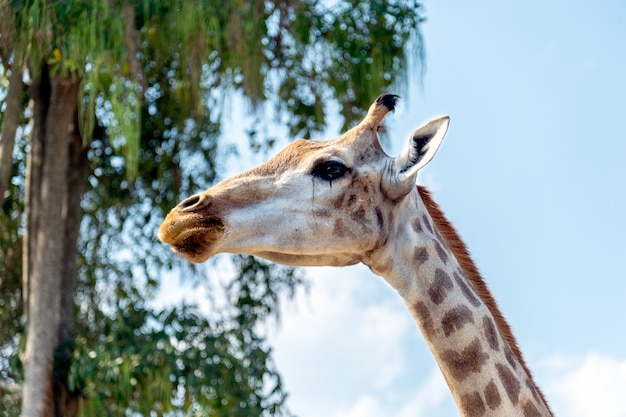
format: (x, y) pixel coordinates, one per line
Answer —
(191, 235)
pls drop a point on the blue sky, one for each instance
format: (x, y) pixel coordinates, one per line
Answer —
(532, 175)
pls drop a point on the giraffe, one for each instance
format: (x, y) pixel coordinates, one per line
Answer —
(345, 201)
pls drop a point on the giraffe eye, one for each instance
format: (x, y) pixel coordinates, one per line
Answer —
(329, 170)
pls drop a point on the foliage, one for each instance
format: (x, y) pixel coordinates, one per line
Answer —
(157, 77)
(11, 308)
(177, 361)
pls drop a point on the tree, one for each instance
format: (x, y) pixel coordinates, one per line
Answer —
(126, 99)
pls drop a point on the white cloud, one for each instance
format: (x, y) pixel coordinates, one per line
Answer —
(366, 406)
(431, 395)
(351, 348)
(428, 397)
(334, 345)
(588, 387)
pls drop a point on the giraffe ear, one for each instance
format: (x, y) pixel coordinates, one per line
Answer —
(418, 151)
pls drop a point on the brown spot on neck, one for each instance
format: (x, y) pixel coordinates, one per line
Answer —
(490, 333)
(443, 255)
(440, 286)
(467, 291)
(422, 314)
(461, 363)
(455, 319)
(510, 383)
(530, 410)
(460, 252)
(473, 405)
(420, 255)
(533, 389)
(492, 395)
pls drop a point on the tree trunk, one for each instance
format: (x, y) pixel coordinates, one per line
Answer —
(54, 120)
(10, 121)
(66, 401)
(40, 103)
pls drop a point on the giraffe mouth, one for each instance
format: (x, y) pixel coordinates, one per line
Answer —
(193, 238)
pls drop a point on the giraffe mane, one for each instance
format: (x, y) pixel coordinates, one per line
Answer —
(462, 255)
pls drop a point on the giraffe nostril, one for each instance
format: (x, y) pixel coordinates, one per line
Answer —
(189, 202)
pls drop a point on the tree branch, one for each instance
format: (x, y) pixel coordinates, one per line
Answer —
(7, 31)
(131, 42)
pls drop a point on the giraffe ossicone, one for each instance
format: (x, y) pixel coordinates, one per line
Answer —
(345, 201)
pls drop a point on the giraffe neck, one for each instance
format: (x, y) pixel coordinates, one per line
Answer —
(472, 344)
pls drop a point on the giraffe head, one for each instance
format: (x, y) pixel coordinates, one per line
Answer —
(314, 203)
